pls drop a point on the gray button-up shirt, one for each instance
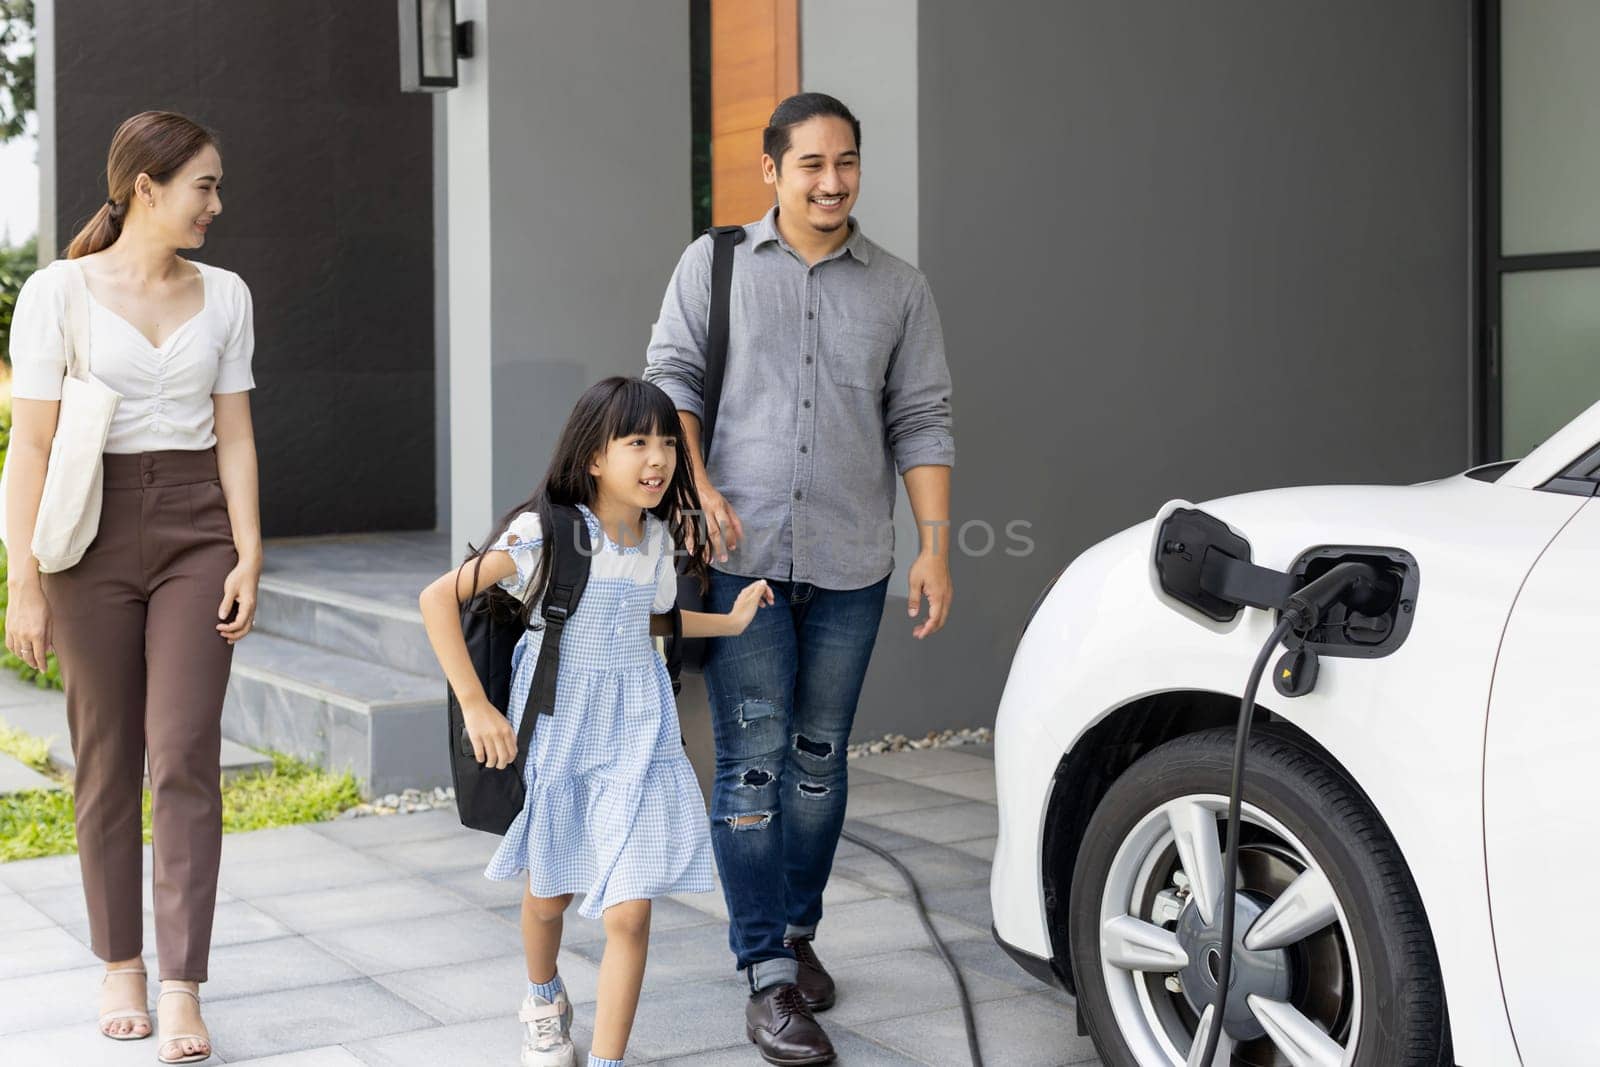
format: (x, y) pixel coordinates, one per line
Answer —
(836, 378)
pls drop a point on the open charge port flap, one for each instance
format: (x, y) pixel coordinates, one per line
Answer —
(1345, 632)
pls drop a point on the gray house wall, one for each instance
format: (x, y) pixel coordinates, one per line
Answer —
(328, 215)
(1179, 250)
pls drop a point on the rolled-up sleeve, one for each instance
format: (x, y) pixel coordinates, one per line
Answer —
(676, 358)
(917, 400)
(38, 346)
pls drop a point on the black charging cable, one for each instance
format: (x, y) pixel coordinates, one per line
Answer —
(1358, 585)
(933, 935)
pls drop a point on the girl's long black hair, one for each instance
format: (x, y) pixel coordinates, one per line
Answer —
(609, 409)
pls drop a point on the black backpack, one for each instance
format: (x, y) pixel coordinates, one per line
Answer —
(492, 623)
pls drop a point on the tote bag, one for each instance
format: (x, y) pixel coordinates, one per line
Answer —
(69, 507)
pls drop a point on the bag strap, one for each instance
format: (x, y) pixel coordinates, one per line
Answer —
(723, 240)
(75, 335)
(569, 574)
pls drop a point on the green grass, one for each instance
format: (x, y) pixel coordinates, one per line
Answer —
(40, 823)
(25, 748)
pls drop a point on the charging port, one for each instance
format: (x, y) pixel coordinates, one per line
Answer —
(1345, 631)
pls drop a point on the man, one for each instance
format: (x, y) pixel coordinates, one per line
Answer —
(835, 379)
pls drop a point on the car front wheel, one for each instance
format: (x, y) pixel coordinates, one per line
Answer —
(1333, 960)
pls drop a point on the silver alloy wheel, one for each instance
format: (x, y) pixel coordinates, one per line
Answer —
(1164, 885)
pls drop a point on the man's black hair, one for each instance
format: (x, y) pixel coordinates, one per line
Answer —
(799, 108)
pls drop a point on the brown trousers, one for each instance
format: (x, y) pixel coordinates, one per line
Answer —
(134, 625)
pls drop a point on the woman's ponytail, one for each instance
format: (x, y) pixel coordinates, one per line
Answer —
(100, 231)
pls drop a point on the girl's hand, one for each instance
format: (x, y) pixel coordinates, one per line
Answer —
(28, 624)
(755, 595)
(239, 602)
(494, 742)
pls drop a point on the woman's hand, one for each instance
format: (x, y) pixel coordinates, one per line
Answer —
(28, 624)
(755, 595)
(239, 601)
(494, 742)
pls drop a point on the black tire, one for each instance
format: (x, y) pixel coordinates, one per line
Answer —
(1403, 1019)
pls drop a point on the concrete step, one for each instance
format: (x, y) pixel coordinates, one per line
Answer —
(386, 631)
(18, 777)
(384, 724)
(42, 713)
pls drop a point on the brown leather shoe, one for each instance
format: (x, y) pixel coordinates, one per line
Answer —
(782, 1027)
(814, 980)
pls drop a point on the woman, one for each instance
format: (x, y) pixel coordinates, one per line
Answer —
(144, 624)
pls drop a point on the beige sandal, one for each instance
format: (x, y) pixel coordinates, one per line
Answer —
(118, 1014)
(177, 1038)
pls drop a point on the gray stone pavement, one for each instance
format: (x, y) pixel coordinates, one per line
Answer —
(377, 941)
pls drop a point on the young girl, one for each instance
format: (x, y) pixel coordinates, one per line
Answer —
(613, 809)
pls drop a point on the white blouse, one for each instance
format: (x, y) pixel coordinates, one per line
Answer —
(166, 390)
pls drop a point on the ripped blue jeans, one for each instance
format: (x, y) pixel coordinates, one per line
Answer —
(783, 700)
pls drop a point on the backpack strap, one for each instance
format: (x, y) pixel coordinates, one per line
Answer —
(723, 240)
(569, 574)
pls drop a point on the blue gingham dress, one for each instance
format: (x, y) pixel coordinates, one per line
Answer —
(613, 809)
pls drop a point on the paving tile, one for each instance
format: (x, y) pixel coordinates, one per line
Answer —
(238, 923)
(892, 840)
(933, 866)
(79, 1044)
(426, 941)
(472, 1044)
(689, 1018)
(484, 989)
(889, 795)
(928, 762)
(472, 886)
(327, 1056)
(982, 956)
(962, 821)
(853, 1051)
(297, 1019)
(383, 831)
(25, 876)
(1030, 1031)
(677, 956)
(283, 843)
(266, 878)
(360, 905)
(435, 855)
(875, 988)
(860, 775)
(974, 785)
(981, 848)
(17, 915)
(877, 927)
(43, 1001)
(42, 951)
(267, 966)
(970, 904)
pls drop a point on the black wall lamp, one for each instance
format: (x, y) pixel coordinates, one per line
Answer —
(430, 43)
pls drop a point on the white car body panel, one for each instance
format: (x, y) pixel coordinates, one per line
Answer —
(1541, 818)
(1102, 639)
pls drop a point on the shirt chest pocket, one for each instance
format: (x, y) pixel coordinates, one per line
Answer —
(860, 354)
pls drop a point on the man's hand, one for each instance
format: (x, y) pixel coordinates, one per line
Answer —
(723, 527)
(930, 579)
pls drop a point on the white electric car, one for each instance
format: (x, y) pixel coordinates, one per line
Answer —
(1419, 854)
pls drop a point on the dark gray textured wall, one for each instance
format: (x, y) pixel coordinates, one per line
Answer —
(328, 215)
(1179, 250)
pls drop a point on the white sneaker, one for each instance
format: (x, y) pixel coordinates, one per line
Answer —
(548, 1042)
